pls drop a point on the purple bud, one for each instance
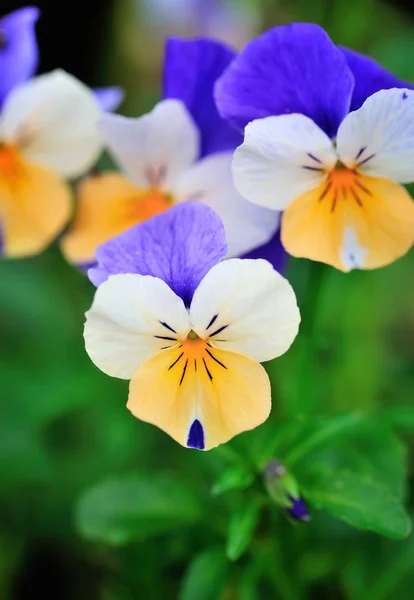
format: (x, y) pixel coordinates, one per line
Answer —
(298, 510)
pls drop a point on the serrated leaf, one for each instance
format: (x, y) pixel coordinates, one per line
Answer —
(322, 432)
(134, 506)
(359, 501)
(372, 450)
(206, 577)
(241, 529)
(236, 478)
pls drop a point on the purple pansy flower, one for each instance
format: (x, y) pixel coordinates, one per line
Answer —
(182, 150)
(329, 135)
(188, 329)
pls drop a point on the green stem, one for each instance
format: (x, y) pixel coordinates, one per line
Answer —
(304, 396)
(277, 574)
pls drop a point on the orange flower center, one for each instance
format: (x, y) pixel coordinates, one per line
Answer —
(343, 184)
(148, 203)
(9, 161)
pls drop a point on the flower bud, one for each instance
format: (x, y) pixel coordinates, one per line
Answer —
(283, 489)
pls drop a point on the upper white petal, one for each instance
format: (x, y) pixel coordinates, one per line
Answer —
(155, 148)
(210, 180)
(255, 303)
(378, 138)
(53, 118)
(127, 313)
(270, 167)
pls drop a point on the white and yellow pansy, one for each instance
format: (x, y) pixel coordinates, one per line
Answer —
(187, 330)
(47, 133)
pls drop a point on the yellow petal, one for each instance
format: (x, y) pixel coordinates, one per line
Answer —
(35, 204)
(107, 205)
(226, 392)
(350, 221)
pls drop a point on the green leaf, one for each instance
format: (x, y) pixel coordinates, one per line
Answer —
(372, 451)
(134, 506)
(236, 478)
(322, 432)
(241, 528)
(206, 577)
(357, 500)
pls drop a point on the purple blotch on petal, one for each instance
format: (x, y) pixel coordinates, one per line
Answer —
(196, 436)
(19, 55)
(298, 511)
(178, 246)
(289, 69)
(370, 77)
(191, 68)
(272, 251)
(109, 98)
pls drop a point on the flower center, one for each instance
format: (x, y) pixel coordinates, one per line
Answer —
(148, 203)
(343, 184)
(9, 161)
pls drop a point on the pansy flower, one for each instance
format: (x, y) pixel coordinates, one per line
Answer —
(47, 132)
(181, 150)
(188, 330)
(329, 144)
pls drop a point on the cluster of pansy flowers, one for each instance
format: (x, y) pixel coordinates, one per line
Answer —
(293, 133)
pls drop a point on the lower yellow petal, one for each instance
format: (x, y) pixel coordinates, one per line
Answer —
(35, 204)
(107, 205)
(354, 221)
(197, 392)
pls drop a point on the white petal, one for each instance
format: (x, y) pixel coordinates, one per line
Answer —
(127, 314)
(253, 306)
(53, 118)
(280, 159)
(155, 148)
(378, 138)
(210, 180)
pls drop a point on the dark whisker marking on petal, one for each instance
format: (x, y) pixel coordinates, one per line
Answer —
(362, 162)
(176, 361)
(319, 169)
(208, 372)
(212, 321)
(363, 188)
(314, 158)
(360, 152)
(165, 347)
(195, 364)
(184, 370)
(325, 191)
(163, 337)
(356, 197)
(334, 201)
(167, 326)
(216, 359)
(219, 330)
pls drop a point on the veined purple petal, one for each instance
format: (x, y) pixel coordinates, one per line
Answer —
(19, 54)
(191, 68)
(178, 246)
(289, 69)
(109, 98)
(370, 77)
(272, 251)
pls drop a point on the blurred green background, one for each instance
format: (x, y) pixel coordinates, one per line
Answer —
(95, 505)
